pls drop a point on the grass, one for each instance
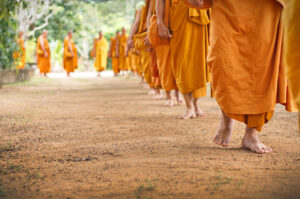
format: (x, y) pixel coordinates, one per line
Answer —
(34, 81)
(142, 190)
(218, 181)
(6, 147)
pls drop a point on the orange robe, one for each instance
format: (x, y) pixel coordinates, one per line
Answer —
(114, 58)
(165, 67)
(292, 47)
(101, 54)
(43, 62)
(189, 44)
(20, 56)
(146, 68)
(245, 59)
(70, 62)
(123, 60)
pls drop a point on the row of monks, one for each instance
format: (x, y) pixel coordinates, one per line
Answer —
(236, 46)
(70, 55)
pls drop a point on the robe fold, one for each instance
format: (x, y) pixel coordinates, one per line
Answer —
(165, 67)
(70, 62)
(188, 45)
(154, 69)
(123, 60)
(292, 47)
(20, 55)
(114, 58)
(146, 68)
(43, 62)
(101, 54)
(245, 59)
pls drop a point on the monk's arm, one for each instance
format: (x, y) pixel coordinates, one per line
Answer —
(134, 29)
(150, 13)
(163, 30)
(70, 48)
(43, 47)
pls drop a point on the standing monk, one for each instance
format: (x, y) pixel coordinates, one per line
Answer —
(121, 49)
(188, 46)
(101, 50)
(43, 54)
(20, 55)
(70, 54)
(292, 47)
(113, 53)
(245, 58)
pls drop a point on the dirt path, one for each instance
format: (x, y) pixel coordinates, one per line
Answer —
(105, 138)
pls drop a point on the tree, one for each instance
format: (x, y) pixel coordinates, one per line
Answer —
(27, 15)
(8, 28)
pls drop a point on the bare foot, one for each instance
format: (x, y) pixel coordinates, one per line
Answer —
(189, 114)
(252, 143)
(200, 113)
(224, 132)
(158, 97)
(169, 103)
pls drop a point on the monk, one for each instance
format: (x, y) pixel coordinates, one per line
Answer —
(188, 46)
(245, 59)
(113, 53)
(292, 47)
(144, 62)
(121, 52)
(70, 54)
(20, 55)
(43, 54)
(165, 68)
(101, 51)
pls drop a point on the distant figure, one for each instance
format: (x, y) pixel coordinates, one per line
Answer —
(70, 54)
(100, 52)
(20, 55)
(43, 54)
(113, 53)
(121, 49)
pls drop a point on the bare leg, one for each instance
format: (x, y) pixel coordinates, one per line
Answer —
(223, 134)
(152, 91)
(198, 111)
(252, 143)
(189, 113)
(169, 102)
(68, 74)
(178, 97)
(45, 74)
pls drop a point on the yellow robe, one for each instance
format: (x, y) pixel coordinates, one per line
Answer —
(20, 56)
(101, 54)
(189, 44)
(43, 62)
(146, 68)
(114, 58)
(123, 60)
(70, 62)
(245, 59)
(292, 47)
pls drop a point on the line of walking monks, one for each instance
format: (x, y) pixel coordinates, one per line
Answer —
(70, 56)
(236, 46)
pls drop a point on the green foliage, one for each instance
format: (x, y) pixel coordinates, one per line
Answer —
(8, 28)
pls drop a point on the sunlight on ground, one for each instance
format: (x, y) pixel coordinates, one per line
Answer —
(60, 75)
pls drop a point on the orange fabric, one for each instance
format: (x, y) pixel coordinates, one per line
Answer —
(256, 121)
(153, 35)
(245, 56)
(189, 31)
(146, 69)
(43, 62)
(123, 60)
(70, 62)
(101, 54)
(292, 47)
(93, 51)
(113, 52)
(20, 56)
(154, 69)
(165, 67)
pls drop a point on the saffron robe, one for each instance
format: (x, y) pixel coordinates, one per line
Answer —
(101, 54)
(113, 52)
(43, 62)
(70, 62)
(20, 55)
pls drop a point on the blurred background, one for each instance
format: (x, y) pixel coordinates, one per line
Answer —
(84, 17)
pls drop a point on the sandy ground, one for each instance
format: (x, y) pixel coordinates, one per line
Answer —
(105, 138)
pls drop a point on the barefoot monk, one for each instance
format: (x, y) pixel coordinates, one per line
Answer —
(43, 54)
(70, 54)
